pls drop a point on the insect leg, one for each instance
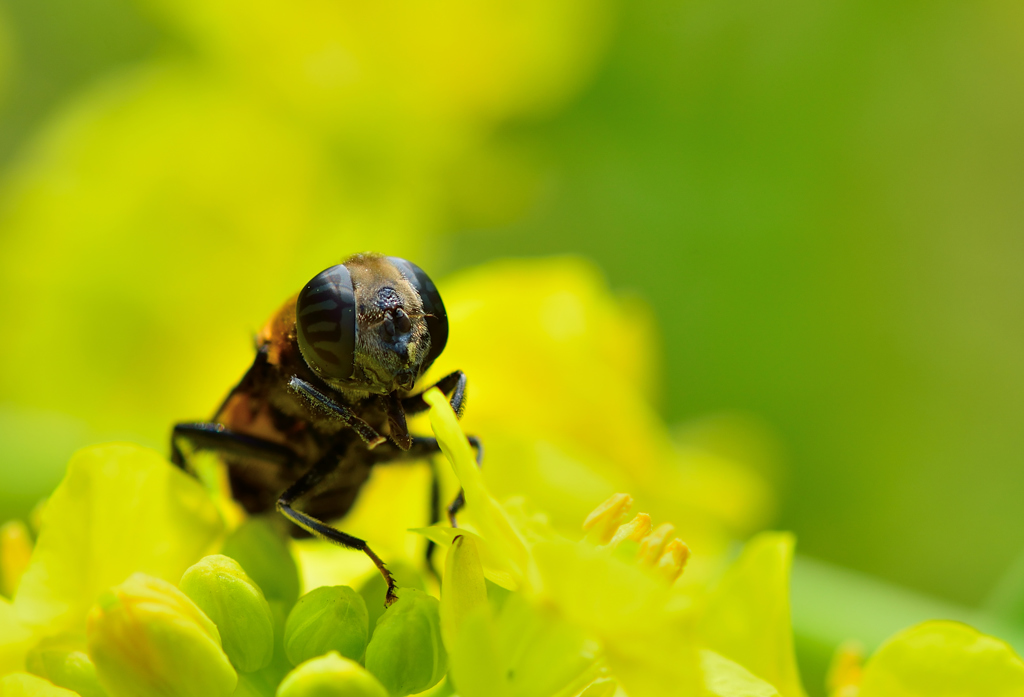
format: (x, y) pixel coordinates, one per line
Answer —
(424, 447)
(324, 404)
(453, 384)
(460, 501)
(303, 486)
(205, 435)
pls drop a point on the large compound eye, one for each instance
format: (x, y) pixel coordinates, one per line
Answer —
(325, 317)
(437, 318)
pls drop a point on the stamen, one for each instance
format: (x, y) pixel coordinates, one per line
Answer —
(845, 671)
(653, 546)
(673, 560)
(15, 551)
(602, 523)
(635, 530)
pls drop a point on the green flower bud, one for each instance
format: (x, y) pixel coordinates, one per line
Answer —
(63, 661)
(329, 618)
(262, 551)
(375, 588)
(221, 589)
(330, 676)
(406, 653)
(147, 639)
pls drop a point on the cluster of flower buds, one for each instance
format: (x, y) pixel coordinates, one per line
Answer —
(656, 548)
(217, 634)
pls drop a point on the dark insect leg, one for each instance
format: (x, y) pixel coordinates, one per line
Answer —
(306, 484)
(325, 405)
(455, 506)
(423, 447)
(435, 515)
(453, 384)
(206, 435)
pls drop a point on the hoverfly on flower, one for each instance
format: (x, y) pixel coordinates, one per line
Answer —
(327, 396)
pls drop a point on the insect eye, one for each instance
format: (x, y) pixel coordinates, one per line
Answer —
(325, 320)
(437, 318)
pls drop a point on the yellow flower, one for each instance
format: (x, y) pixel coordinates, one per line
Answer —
(605, 603)
(120, 509)
(148, 639)
(943, 659)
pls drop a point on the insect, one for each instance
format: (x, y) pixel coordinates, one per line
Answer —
(327, 395)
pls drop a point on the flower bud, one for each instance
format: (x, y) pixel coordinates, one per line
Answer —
(406, 653)
(330, 676)
(63, 661)
(147, 638)
(329, 618)
(375, 588)
(221, 589)
(263, 552)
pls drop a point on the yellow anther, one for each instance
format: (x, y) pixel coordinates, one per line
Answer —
(845, 671)
(15, 551)
(636, 530)
(653, 546)
(601, 524)
(673, 559)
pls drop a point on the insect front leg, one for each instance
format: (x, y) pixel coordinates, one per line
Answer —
(325, 405)
(305, 485)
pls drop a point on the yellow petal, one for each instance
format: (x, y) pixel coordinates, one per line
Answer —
(496, 567)
(725, 678)
(747, 617)
(490, 518)
(15, 639)
(463, 589)
(120, 509)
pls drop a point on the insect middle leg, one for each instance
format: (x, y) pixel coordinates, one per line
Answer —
(215, 437)
(305, 485)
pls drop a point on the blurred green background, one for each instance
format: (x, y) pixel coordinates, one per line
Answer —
(820, 200)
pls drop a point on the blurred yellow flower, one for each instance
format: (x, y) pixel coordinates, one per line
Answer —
(561, 381)
(121, 509)
(602, 605)
(943, 659)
